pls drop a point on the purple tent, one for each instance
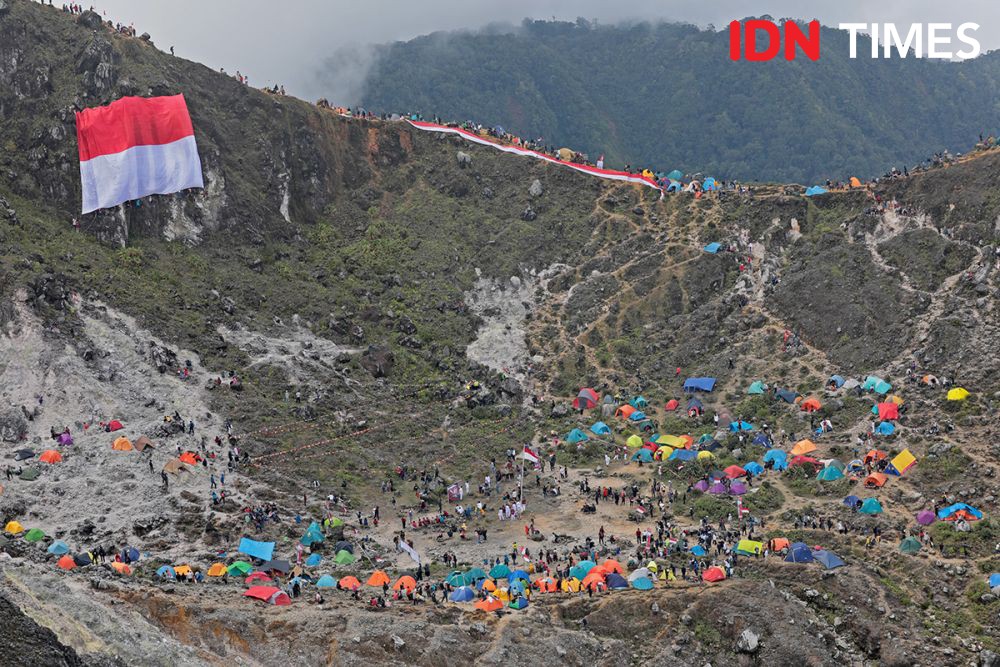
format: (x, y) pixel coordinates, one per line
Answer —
(926, 518)
(718, 488)
(738, 489)
(701, 485)
(65, 438)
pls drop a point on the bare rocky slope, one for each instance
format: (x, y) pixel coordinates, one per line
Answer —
(367, 268)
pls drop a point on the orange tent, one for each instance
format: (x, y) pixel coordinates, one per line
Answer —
(545, 585)
(217, 570)
(875, 480)
(874, 455)
(407, 582)
(190, 458)
(50, 456)
(595, 576)
(713, 574)
(489, 585)
(122, 444)
(378, 579)
(778, 543)
(121, 568)
(810, 405)
(624, 411)
(855, 183)
(610, 566)
(489, 604)
(66, 562)
(803, 447)
(350, 583)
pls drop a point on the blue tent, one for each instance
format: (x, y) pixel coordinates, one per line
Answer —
(326, 581)
(463, 594)
(616, 581)
(499, 571)
(836, 380)
(799, 553)
(852, 501)
(786, 396)
(643, 455)
(683, 455)
(945, 513)
(815, 190)
(698, 550)
(762, 439)
(994, 580)
(885, 428)
(639, 402)
(642, 584)
(575, 436)
(518, 574)
(876, 384)
(314, 560)
(600, 428)
(712, 248)
(519, 603)
(261, 550)
(699, 384)
(637, 416)
(828, 559)
(313, 535)
(517, 586)
(753, 468)
(167, 572)
(778, 457)
(58, 548)
(740, 426)
(871, 506)
(674, 186)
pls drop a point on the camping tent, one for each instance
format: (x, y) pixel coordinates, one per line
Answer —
(671, 441)
(344, 557)
(901, 463)
(575, 436)
(642, 584)
(643, 455)
(13, 528)
(735, 472)
(959, 511)
(65, 439)
(799, 552)
(239, 567)
(350, 583)
(462, 594)
(778, 458)
(624, 411)
(217, 570)
(753, 468)
(875, 455)
(114, 425)
(736, 427)
(786, 395)
(810, 405)
(876, 480)
(634, 441)
(268, 594)
(66, 562)
(639, 402)
(871, 506)
(142, 444)
(803, 447)
(600, 428)
(749, 548)
(586, 399)
(699, 384)
(885, 428)
(910, 546)
(637, 416)
(671, 405)
(713, 574)
(34, 535)
(829, 474)
(683, 455)
(757, 387)
(51, 457)
(855, 182)
(926, 517)
(886, 411)
(815, 190)
(314, 560)
(836, 380)
(828, 559)
(876, 384)
(122, 444)
(326, 581)
(957, 394)
(58, 548)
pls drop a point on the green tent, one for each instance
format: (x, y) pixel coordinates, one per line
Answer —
(830, 474)
(30, 474)
(240, 567)
(456, 579)
(871, 506)
(910, 546)
(314, 535)
(344, 557)
(334, 522)
(757, 387)
(34, 535)
(474, 575)
(675, 175)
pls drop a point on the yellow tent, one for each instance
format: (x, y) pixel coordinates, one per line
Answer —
(634, 441)
(571, 585)
(749, 547)
(671, 440)
(903, 461)
(705, 455)
(122, 444)
(502, 594)
(957, 394)
(217, 570)
(803, 447)
(896, 399)
(181, 570)
(652, 566)
(13, 528)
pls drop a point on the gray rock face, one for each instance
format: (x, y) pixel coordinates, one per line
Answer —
(13, 425)
(90, 19)
(748, 642)
(535, 190)
(378, 360)
(464, 159)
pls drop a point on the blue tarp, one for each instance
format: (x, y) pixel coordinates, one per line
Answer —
(698, 550)
(837, 380)
(683, 455)
(600, 428)
(815, 190)
(713, 248)
(828, 559)
(951, 509)
(699, 384)
(994, 580)
(261, 550)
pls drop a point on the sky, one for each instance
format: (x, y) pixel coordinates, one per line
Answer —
(322, 48)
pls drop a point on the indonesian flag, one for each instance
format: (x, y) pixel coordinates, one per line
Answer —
(136, 147)
(529, 455)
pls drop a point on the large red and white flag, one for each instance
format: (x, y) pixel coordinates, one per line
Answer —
(135, 147)
(529, 455)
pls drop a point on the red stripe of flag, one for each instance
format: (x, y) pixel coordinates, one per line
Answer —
(130, 122)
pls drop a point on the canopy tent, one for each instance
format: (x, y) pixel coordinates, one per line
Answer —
(600, 428)
(699, 384)
(757, 387)
(586, 399)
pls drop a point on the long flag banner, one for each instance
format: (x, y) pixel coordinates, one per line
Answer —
(136, 147)
(486, 141)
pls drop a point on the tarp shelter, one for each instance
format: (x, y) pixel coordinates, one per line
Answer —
(624, 411)
(811, 404)
(276, 565)
(586, 399)
(799, 552)
(886, 411)
(575, 436)
(51, 457)
(836, 380)
(814, 190)
(143, 443)
(828, 559)
(260, 550)
(749, 548)
(871, 506)
(876, 480)
(829, 474)
(699, 384)
(957, 394)
(910, 546)
(803, 447)
(713, 247)
(786, 395)
(713, 574)
(58, 548)
(959, 511)
(901, 463)
(122, 444)
(268, 594)
(600, 428)
(326, 581)
(757, 387)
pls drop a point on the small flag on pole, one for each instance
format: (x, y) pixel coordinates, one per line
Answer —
(529, 455)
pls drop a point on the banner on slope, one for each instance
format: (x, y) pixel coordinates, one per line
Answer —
(135, 147)
(486, 141)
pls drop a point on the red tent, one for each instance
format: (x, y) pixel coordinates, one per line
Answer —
(804, 460)
(190, 458)
(115, 425)
(671, 405)
(586, 399)
(735, 472)
(268, 594)
(257, 576)
(888, 411)
(713, 574)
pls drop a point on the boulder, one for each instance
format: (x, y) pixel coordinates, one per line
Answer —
(464, 159)
(748, 642)
(378, 360)
(13, 425)
(535, 190)
(528, 214)
(90, 19)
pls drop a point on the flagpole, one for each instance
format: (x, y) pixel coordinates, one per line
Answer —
(521, 496)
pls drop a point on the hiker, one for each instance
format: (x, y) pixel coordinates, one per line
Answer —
(163, 477)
